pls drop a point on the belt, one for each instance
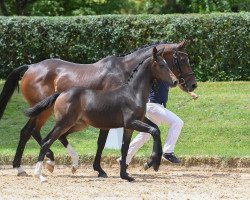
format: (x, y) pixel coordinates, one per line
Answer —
(151, 101)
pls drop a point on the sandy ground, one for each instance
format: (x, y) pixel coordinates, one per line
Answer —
(170, 182)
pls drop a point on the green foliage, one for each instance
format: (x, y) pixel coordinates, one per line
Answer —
(219, 43)
(100, 7)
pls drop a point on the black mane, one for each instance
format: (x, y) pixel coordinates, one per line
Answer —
(142, 47)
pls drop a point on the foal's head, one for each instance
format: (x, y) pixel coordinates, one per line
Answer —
(161, 70)
(178, 61)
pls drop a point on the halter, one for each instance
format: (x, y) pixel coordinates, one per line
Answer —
(181, 75)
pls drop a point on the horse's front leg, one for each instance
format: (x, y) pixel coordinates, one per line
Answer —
(100, 146)
(73, 154)
(124, 151)
(150, 127)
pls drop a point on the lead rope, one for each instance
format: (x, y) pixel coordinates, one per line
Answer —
(183, 103)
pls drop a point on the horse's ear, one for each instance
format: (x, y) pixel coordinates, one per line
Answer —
(155, 53)
(182, 44)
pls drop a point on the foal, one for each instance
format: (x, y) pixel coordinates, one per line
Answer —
(78, 107)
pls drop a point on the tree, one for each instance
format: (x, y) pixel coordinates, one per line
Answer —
(3, 9)
(100, 7)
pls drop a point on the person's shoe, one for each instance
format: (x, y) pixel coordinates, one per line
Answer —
(170, 157)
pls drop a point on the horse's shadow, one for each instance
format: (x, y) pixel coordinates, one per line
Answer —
(146, 178)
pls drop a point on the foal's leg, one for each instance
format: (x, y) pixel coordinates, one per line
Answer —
(155, 158)
(100, 146)
(50, 164)
(71, 151)
(151, 161)
(125, 145)
(46, 143)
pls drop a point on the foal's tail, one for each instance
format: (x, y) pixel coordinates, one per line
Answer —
(10, 86)
(41, 106)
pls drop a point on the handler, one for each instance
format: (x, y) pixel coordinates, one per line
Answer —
(156, 111)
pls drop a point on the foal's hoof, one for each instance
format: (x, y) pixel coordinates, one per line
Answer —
(101, 172)
(102, 175)
(156, 167)
(125, 176)
(23, 173)
(41, 178)
(146, 166)
(73, 169)
(50, 167)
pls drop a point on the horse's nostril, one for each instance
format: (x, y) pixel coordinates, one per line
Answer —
(194, 86)
(175, 83)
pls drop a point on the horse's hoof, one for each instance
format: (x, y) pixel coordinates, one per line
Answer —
(128, 178)
(73, 169)
(23, 173)
(156, 167)
(102, 175)
(50, 167)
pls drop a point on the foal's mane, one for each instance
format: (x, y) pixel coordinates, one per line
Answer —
(134, 71)
(140, 63)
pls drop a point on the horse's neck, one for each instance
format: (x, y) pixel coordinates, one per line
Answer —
(141, 81)
(131, 60)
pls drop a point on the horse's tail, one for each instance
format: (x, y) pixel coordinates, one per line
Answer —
(10, 86)
(41, 106)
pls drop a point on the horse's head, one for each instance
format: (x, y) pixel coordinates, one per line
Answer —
(161, 70)
(177, 59)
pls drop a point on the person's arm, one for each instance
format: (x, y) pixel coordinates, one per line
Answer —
(193, 95)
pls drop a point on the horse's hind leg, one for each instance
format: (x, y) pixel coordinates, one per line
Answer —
(28, 130)
(40, 121)
(125, 145)
(100, 146)
(71, 151)
(24, 137)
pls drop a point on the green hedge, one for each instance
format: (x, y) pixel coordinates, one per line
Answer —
(219, 43)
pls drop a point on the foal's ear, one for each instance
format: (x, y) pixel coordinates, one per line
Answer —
(155, 53)
(182, 44)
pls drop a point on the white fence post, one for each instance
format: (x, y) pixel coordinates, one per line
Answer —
(114, 140)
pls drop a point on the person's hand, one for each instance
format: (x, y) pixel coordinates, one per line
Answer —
(193, 95)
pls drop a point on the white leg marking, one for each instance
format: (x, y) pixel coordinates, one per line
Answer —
(52, 163)
(74, 156)
(20, 170)
(38, 171)
(38, 168)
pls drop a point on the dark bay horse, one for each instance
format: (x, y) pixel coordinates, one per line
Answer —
(124, 106)
(46, 77)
